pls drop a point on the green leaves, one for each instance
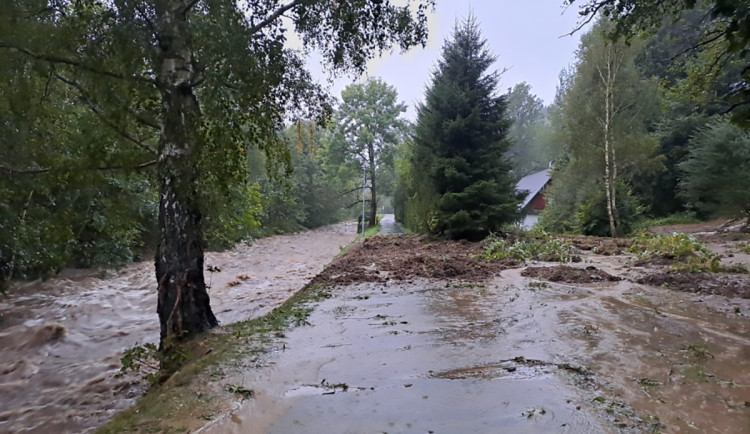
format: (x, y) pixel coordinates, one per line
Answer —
(716, 174)
(460, 185)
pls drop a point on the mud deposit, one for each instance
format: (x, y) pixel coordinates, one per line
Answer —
(711, 284)
(380, 259)
(418, 354)
(61, 340)
(564, 273)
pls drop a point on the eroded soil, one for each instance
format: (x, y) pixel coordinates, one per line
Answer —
(415, 336)
(567, 274)
(381, 259)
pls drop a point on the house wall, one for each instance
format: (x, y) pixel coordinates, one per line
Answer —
(538, 203)
(529, 221)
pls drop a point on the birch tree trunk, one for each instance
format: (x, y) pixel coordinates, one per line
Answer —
(610, 166)
(183, 302)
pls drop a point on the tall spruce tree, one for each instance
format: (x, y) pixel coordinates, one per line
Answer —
(461, 137)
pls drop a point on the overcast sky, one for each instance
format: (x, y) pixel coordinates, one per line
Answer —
(527, 36)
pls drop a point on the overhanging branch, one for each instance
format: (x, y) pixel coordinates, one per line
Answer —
(12, 171)
(99, 112)
(274, 16)
(50, 58)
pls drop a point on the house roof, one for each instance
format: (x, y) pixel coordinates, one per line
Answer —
(532, 184)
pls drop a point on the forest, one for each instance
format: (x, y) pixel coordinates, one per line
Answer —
(147, 144)
(136, 129)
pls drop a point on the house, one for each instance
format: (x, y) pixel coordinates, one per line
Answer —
(533, 203)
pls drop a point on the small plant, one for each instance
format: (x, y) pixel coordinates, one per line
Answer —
(142, 359)
(694, 256)
(240, 391)
(699, 351)
(675, 246)
(650, 382)
(541, 247)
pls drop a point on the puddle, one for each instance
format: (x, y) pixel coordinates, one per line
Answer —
(61, 340)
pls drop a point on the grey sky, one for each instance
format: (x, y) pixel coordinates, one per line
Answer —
(525, 35)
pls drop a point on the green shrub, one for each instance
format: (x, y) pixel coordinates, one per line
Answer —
(674, 219)
(542, 247)
(693, 256)
(675, 246)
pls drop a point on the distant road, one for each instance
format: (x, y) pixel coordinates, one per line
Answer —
(388, 225)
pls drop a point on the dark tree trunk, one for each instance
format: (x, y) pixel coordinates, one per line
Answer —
(183, 302)
(373, 190)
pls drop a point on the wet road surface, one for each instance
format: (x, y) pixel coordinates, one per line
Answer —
(388, 225)
(515, 355)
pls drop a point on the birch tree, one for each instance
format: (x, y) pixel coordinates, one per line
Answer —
(194, 83)
(606, 115)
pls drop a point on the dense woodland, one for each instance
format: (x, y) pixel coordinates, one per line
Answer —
(133, 129)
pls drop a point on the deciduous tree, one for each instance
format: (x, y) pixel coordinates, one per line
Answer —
(367, 128)
(207, 79)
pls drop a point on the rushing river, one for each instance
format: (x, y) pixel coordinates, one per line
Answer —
(61, 340)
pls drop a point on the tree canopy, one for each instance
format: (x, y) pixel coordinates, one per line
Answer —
(725, 34)
(191, 85)
(367, 129)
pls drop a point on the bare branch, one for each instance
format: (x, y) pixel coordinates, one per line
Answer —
(359, 202)
(274, 16)
(12, 171)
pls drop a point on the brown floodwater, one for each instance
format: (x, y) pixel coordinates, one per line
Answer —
(514, 355)
(61, 339)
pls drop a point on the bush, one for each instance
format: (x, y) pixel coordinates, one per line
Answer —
(542, 247)
(592, 217)
(693, 256)
(675, 246)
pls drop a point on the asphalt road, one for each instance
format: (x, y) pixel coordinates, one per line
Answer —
(388, 225)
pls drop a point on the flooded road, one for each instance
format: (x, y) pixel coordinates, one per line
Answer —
(413, 359)
(515, 354)
(61, 339)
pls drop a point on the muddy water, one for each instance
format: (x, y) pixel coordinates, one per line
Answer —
(518, 355)
(415, 358)
(61, 340)
(680, 359)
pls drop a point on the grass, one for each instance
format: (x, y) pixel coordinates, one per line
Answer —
(540, 246)
(183, 400)
(675, 219)
(374, 230)
(691, 255)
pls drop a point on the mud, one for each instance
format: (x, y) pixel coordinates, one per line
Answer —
(416, 337)
(61, 339)
(727, 285)
(380, 259)
(506, 355)
(564, 273)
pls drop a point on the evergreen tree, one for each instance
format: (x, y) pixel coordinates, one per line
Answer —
(461, 138)
(716, 174)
